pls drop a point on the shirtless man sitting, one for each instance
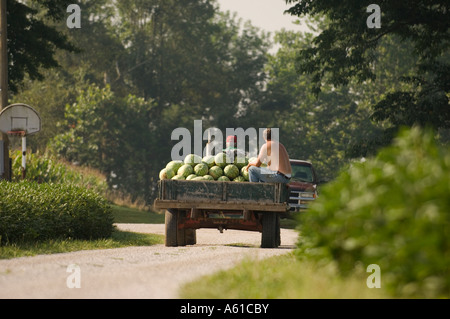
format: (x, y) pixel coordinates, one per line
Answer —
(278, 166)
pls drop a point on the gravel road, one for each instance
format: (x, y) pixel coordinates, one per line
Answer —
(133, 272)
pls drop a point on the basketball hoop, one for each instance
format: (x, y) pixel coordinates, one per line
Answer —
(17, 133)
(19, 121)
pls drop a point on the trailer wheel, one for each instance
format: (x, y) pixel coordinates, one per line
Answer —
(270, 230)
(278, 231)
(190, 236)
(171, 222)
(174, 236)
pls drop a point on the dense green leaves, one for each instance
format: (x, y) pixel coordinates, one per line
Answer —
(392, 211)
(426, 105)
(31, 212)
(317, 128)
(109, 133)
(152, 66)
(44, 168)
(347, 49)
(32, 40)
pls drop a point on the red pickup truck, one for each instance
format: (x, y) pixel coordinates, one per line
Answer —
(303, 185)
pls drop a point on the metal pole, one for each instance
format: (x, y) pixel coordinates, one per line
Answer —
(24, 156)
(4, 84)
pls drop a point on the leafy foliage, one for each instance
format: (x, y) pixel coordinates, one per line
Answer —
(347, 49)
(181, 62)
(392, 210)
(44, 168)
(32, 212)
(317, 128)
(426, 105)
(32, 40)
(108, 133)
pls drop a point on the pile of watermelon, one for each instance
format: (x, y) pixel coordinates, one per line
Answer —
(213, 168)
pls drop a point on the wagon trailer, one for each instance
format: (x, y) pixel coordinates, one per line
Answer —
(191, 205)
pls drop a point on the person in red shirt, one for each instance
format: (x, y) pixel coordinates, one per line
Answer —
(233, 153)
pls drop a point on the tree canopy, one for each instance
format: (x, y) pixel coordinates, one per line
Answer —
(348, 49)
(32, 39)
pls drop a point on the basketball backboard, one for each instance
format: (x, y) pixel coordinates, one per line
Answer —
(20, 117)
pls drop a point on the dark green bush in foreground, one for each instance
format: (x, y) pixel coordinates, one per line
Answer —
(30, 211)
(393, 211)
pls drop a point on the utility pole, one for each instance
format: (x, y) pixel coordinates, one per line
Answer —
(6, 169)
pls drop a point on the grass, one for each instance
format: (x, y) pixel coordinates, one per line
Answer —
(118, 239)
(282, 277)
(289, 223)
(127, 215)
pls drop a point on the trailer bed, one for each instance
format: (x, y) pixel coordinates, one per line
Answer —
(191, 205)
(220, 193)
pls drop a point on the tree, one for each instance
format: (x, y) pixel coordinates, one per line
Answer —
(32, 40)
(97, 61)
(109, 133)
(164, 66)
(190, 55)
(317, 128)
(347, 49)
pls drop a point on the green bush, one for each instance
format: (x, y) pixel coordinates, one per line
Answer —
(44, 168)
(31, 212)
(394, 211)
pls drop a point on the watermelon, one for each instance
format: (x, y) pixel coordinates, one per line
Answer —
(192, 159)
(166, 173)
(244, 173)
(215, 172)
(185, 170)
(239, 179)
(240, 161)
(221, 160)
(231, 171)
(223, 179)
(175, 165)
(201, 169)
(209, 160)
(208, 178)
(191, 177)
(179, 177)
(198, 178)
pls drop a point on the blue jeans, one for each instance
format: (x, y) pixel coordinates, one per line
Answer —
(265, 175)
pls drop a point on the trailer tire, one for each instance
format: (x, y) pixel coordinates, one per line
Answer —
(270, 230)
(190, 236)
(174, 235)
(181, 237)
(278, 229)
(171, 229)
